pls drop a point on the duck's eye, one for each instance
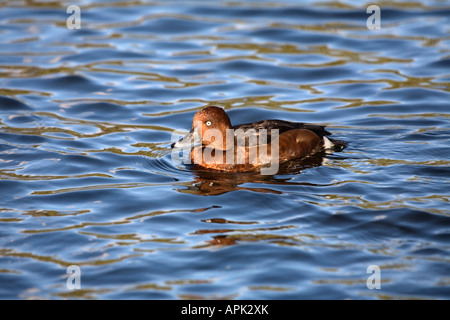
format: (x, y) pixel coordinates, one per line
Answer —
(208, 123)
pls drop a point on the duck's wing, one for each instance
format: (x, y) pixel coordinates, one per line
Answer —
(253, 129)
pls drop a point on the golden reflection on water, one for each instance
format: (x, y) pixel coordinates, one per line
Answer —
(51, 259)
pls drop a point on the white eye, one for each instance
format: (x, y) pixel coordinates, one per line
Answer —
(208, 123)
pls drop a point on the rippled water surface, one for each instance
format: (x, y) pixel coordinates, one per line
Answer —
(87, 178)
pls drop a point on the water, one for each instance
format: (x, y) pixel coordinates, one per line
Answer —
(87, 178)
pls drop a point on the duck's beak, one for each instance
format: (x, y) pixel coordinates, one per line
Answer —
(192, 139)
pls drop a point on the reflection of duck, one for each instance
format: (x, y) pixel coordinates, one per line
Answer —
(208, 136)
(210, 182)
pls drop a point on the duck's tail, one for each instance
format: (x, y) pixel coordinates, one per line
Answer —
(333, 144)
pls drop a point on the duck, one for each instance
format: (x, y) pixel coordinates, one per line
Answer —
(218, 145)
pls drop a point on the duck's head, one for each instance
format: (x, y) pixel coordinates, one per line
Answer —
(209, 128)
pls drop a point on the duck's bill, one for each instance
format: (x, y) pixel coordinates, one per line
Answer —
(188, 141)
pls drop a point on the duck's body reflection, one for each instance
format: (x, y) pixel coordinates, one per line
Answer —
(209, 182)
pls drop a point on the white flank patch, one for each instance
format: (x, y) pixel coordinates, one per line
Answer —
(327, 144)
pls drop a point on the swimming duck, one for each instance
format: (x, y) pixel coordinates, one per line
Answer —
(218, 145)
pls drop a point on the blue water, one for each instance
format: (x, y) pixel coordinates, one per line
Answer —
(87, 179)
